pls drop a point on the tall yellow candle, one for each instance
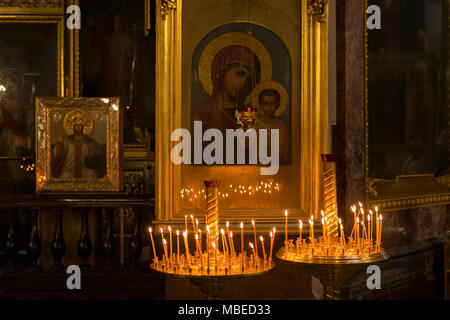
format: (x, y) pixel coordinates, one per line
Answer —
(153, 243)
(178, 245)
(381, 227)
(369, 231)
(215, 255)
(263, 249)
(165, 249)
(196, 225)
(286, 226)
(357, 231)
(193, 223)
(200, 236)
(207, 243)
(170, 242)
(377, 231)
(254, 232)
(271, 247)
(254, 256)
(161, 230)
(232, 243)
(323, 232)
(300, 229)
(242, 244)
(185, 222)
(196, 242)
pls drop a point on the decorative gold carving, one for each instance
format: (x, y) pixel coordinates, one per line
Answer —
(330, 197)
(32, 6)
(167, 6)
(212, 210)
(133, 182)
(45, 108)
(317, 9)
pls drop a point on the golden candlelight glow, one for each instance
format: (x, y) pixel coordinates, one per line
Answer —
(363, 241)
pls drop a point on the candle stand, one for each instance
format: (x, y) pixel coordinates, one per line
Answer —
(335, 272)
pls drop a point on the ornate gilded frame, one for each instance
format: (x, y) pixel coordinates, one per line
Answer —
(45, 108)
(314, 90)
(47, 19)
(32, 7)
(408, 191)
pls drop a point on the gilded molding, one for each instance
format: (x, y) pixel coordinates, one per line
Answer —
(167, 6)
(317, 9)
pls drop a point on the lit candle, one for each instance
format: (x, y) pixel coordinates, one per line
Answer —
(342, 236)
(200, 236)
(353, 207)
(178, 245)
(153, 243)
(215, 255)
(357, 231)
(323, 232)
(162, 234)
(242, 244)
(224, 242)
(165, 249)
(300, 231)
(193, 224)
(271, 247)
(381, 227)
(197, 247)
(254, 256)
(229, 239)
(264, 250)
(377, 231)
(254, 232)
(207, 243)
(311, 230)
(170, 242)
(186, 243)
(232, 243)
(369, 228)
(196, 225)
(285, 226)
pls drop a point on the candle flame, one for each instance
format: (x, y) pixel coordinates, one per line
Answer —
(150, 229)
(161, 230)
(196, 236)
(312, 218)
(196, 221)
(228, 224)
(274, 230)
(242, 225)
(261, 238)
(300, 223)
(357, 220)
(271, 234)
(353, 207)
(192, 217)
(323, 222)
(340, 221)
(185, 216)
(368, 217)
(170, 229)
(251, 245)
(165, 242)
(376, 209)
(222, 232)
(342, 228)
(381, 217)
(285, 213)
(323, 214)
(207, 228)
(231, 234)
(178, 233)
(253, 222)
(360, 204)
(214, 245)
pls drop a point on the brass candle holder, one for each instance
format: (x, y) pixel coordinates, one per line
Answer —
(210, 268)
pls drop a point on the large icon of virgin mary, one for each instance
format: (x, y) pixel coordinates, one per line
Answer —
(229, 69)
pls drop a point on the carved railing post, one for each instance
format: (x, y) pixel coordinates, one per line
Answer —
(136, 242)
(58, 245)
(84, 244)
(108, 242)
(10, 244)
(34, 245)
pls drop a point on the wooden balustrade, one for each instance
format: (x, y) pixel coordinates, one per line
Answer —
(110, 204)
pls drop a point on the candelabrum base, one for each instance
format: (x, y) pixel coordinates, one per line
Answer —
(335, 272)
